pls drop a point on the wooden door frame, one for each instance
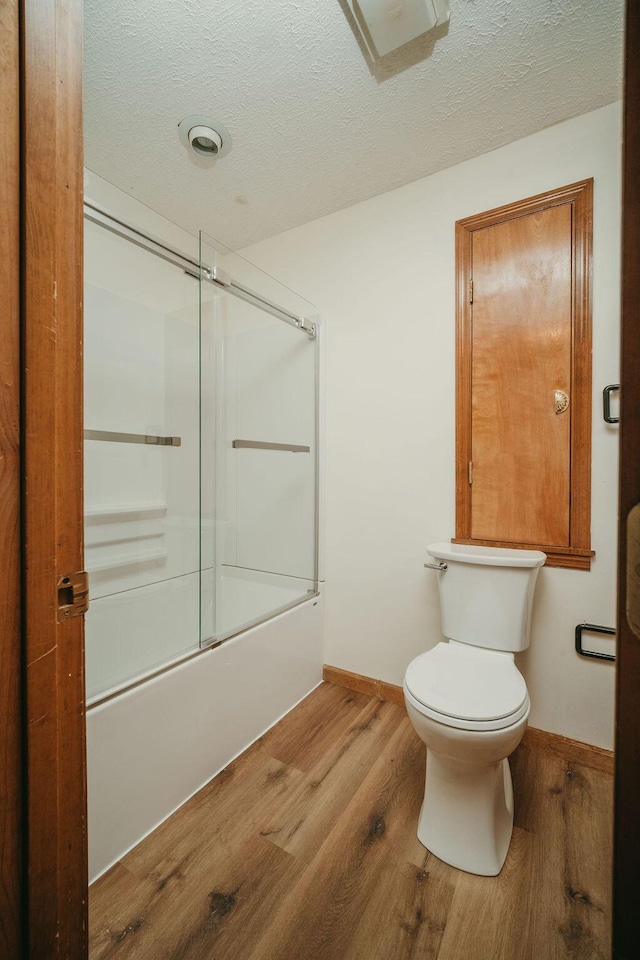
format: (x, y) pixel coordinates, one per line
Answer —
(626, 919)
(11, 818)
(52, 521)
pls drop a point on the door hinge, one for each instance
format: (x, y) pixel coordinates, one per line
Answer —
(470, 471)
(470, 290)
(73, 595)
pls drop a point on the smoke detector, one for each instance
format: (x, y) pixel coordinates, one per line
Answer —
(204, 136)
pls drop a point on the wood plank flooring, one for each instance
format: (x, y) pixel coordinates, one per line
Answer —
(304, 848)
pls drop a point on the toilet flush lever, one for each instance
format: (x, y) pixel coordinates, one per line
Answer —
(441, 565)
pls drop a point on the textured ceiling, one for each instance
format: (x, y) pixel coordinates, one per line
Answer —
(316, 126)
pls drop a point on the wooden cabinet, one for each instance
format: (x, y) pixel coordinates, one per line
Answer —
(523, 395)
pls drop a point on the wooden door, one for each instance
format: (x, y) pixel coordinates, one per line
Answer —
(626, 915)
(11, 817)
(523, 379)
(520, 355)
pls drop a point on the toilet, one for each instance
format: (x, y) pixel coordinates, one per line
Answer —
(468, 702)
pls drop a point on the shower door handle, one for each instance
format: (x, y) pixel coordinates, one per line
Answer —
(264, 445)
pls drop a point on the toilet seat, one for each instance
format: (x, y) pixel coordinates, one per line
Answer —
(467, 687)
(476, 725)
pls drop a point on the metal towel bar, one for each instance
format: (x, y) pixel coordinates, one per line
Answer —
(263, 445)
(593, 628)
(112, 437)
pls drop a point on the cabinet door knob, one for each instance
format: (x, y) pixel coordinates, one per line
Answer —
(561, 401)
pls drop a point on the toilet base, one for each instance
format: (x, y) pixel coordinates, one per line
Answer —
(466, 818)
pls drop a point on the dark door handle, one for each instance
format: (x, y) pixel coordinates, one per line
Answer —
(606, 403)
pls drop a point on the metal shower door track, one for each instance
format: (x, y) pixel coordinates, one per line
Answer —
(95, 213)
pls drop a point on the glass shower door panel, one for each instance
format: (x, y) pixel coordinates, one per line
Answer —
(141, 461)
(266, 457)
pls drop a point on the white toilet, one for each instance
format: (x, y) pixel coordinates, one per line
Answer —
(469, 703)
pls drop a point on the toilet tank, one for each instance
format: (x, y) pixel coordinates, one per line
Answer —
(486, 594)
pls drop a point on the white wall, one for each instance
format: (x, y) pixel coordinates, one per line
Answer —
(382, 274)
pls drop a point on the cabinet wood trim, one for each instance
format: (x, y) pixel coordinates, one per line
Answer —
(571, 557)
(577, 553)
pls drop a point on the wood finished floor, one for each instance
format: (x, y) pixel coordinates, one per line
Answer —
(304, 848)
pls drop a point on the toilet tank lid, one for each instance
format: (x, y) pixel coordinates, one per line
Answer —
(489, 556)
(466, 682)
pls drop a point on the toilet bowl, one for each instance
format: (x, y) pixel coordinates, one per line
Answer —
(469, 703)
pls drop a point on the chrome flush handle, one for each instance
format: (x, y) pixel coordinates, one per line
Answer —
(441, 565)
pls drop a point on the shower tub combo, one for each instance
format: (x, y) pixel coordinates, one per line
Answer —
(201, 518)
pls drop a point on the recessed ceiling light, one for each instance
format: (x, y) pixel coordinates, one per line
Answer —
(205, 136)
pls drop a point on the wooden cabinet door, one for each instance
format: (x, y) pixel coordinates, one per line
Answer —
(520, 356)
(523, 380)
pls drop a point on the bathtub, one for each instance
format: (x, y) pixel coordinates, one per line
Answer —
(153, 746)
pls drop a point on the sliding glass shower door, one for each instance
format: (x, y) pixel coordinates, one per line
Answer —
(259, 389)
(200, 449)
(142, 458)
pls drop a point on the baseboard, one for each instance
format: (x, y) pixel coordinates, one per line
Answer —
(573, 751)
(367, 685)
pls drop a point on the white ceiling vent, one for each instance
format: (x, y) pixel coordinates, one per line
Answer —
(387, 24)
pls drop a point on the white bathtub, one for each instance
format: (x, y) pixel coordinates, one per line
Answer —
(150, 748)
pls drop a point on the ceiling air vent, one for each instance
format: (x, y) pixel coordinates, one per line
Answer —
(387, 24)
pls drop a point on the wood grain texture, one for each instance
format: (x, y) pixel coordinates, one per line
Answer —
(52, 357)
(215, 883)
(572, 751)
(11, 827)
(513, 500)
(520, 354)
(626, 916)
(571, 558)
(367, 685)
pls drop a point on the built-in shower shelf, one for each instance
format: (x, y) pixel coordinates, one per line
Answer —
(130, 561)
(125, 509)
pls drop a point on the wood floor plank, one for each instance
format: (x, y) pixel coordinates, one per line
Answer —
(178, 860)
(569, 817)
(588, 876)
(322, 719)
(310, 811)
(305, 848)
(486, 913)
(406, 916)
(117, 906)
(232, 904)
(235, 809)
(318, 918)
